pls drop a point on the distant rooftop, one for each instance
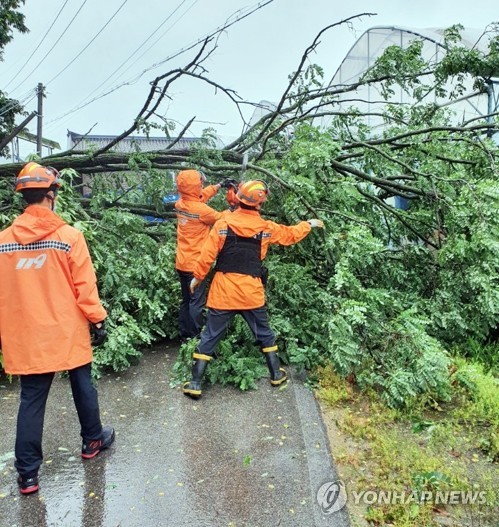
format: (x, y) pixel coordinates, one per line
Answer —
(82, 142)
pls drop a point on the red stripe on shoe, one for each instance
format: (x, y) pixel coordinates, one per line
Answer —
(89, 456)
(29, 490)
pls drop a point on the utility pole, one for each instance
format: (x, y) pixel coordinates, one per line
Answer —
(39, 92)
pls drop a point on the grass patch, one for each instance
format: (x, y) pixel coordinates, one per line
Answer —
(442, 449)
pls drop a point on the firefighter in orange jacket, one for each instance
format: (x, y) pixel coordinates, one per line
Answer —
(194, 220)
(49, 306)
(239, 242)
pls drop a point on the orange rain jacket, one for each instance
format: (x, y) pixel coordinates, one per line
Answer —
(234, 290)
(48, 294)
(194, 217)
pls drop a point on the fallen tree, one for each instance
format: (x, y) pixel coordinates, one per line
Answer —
(385, 291)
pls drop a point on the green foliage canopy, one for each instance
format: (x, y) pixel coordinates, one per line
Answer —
(382, 293)
(10, 20)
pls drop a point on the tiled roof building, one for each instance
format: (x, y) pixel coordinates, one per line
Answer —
(81, 143)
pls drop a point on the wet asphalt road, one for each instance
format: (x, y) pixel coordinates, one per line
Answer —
(239, 459)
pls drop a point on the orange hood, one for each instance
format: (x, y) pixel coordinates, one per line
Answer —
(190, 184)
(35, 224)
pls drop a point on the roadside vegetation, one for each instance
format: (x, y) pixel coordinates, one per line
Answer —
(395, 312)
(427, 448)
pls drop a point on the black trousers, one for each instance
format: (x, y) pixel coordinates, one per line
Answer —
(191, 312)
(218, 320)
(34, 392)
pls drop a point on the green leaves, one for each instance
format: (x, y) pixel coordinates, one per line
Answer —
(382, 292)
(398, 67)
(138, 283)
(10, 20)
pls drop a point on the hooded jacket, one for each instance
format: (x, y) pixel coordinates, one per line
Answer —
(48, 294)
(194, 217)
(242, 291)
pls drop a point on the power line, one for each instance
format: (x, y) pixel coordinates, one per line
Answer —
(133, 80)
(55, 44)
(218, 30)
(136, 50)
(39, 43)
(21, 102)
(161, 36)
(83, 101)
(8, 107)
(95, 36)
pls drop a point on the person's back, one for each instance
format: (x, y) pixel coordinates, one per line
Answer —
(233, 290)
(194, 221)
(44, 323)
(238, 243)
(48, 304)
(194, 217)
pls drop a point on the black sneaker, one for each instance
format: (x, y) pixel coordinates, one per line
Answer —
(91, 448)
(28, 484)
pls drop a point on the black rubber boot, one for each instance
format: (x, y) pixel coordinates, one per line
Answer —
(193, 387)
(277, 374)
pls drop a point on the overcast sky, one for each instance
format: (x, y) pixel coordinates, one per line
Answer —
(254, 56)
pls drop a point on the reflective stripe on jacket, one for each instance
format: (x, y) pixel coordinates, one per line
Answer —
(238, 291)
(48, 294)
(194, 219)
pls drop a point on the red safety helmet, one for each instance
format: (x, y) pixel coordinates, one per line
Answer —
(34, 176)
(253, 193)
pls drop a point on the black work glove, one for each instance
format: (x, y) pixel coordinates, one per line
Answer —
(227, 183)
(98, 334)
(265, 275)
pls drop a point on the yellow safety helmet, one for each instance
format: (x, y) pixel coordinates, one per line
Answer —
(253, 193)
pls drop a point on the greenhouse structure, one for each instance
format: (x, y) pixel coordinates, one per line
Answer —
(376, 40)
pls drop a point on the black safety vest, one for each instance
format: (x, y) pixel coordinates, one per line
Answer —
(240, 255)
